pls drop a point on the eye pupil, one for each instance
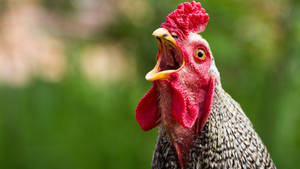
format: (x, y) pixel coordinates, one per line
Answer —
(200, 54)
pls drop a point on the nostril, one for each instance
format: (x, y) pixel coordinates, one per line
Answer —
(175, 37)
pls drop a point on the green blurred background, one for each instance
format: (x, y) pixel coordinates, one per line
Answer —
(72, 72)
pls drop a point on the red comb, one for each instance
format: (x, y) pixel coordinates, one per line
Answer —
(187, 18)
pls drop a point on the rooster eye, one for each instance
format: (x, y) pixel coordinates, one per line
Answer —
(200, 54)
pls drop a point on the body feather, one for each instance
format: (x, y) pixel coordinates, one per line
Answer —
(227, 140)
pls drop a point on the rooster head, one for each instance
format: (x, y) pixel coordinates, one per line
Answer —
(183, 79)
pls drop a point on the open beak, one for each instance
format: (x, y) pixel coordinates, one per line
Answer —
(169, 57)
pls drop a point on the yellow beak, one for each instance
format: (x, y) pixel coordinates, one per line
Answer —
(164, 35)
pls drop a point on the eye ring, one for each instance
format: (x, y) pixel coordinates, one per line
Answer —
(200, 54)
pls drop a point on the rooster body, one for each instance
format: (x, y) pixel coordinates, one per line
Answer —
(227, 140)
(201, 126)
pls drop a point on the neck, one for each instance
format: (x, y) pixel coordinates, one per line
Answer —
(182, 138)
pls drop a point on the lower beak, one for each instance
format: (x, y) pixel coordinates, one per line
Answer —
(155, 74)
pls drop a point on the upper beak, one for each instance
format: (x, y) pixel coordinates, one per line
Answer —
(163, 35)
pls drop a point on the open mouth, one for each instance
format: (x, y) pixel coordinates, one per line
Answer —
(169, 59)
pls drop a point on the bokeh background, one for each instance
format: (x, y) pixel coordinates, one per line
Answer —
(72, 72)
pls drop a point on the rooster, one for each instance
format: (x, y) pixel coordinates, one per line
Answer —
(201, 126)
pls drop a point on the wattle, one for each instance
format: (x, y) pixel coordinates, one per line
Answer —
(184, 109)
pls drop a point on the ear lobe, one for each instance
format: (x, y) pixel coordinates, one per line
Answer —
(147, 113)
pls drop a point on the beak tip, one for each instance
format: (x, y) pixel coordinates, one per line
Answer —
(148, 77)
(160, 32)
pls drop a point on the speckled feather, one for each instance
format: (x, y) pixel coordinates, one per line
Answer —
(227, 140)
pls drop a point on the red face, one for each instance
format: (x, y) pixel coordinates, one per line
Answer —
(197, 57)
(184, 64)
